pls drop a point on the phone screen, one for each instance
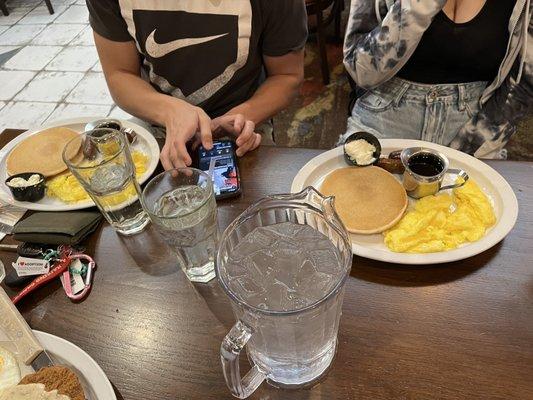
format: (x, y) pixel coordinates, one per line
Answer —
(220, 163)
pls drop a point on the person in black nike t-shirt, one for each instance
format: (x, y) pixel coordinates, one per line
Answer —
(201, 68)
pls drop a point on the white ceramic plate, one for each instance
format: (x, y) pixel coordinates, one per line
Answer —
(371, 246)
(94, 381)
(145, 143)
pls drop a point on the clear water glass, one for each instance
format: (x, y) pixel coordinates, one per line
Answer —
(103, 165)
(181, 204)
(283, 263)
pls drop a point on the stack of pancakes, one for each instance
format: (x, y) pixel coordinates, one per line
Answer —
(43, 152)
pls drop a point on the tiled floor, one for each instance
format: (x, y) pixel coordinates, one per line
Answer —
(54, 73)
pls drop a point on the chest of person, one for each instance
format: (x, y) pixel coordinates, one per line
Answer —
(192, 27)
(192, 49)
(461, 11)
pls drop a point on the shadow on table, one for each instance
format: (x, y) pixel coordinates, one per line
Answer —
(117, 393)
(315, 391)
(33, 299)
(153, 257)
(419, 275)
(150, 252)
(217, 301)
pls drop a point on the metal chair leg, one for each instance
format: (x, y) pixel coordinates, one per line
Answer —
(321, 41)
(3, 7)
(338, 8)
(50, 7)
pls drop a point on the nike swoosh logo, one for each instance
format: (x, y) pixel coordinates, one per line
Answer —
(158, 50)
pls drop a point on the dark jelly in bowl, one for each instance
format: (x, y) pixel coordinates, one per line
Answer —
(30, 193)
(368, 137)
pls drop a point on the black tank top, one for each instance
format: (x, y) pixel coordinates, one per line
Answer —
(467, 52)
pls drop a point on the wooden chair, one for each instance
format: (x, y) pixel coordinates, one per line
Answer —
(316, 10)
(3, 7)
(49, 6)
(5, 11)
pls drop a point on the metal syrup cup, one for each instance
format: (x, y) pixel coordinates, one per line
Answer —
(418, 186)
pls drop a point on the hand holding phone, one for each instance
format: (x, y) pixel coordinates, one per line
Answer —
(236, 125)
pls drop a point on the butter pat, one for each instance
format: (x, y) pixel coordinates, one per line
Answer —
(360, 151)
(21, 182)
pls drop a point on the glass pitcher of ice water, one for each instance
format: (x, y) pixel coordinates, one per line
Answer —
(283, 263)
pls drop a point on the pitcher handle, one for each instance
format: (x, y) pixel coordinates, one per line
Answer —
(230, 350)
(459, 173)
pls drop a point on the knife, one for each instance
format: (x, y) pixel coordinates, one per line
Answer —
(18, 330)
(9, 247)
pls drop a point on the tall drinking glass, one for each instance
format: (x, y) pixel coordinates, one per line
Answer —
(181, 204)
(104, 167)
(283, 263)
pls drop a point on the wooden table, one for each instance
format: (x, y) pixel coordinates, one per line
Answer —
(456, 331)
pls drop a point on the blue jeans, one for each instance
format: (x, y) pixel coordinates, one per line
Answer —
(400, 109)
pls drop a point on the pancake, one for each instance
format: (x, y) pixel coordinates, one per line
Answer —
(42, 152)
(78, 158)
(368, 200)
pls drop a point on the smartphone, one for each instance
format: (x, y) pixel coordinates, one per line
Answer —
(221, 163)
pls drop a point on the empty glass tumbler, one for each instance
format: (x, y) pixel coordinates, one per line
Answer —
(101, 161)
(181, 204)
(283, 263)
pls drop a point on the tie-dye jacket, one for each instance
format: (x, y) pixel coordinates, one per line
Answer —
(375, 49)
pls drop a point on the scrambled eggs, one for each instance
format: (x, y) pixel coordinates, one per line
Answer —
(66, 187)
(443, 222)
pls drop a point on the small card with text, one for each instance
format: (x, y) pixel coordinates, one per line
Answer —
(25, 266)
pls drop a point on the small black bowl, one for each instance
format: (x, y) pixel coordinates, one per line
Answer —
(31, 193)
(367, 137)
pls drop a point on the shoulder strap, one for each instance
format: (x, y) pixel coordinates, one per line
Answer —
(377, 7)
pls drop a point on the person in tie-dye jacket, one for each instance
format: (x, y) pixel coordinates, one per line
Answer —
(389, 42)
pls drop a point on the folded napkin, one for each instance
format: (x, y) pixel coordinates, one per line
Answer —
(9, 216)
(57, 227)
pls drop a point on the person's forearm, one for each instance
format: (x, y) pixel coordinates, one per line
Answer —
(274, 95)
(138, 97)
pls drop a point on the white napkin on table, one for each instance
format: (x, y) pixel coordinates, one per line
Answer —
(9, 216)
